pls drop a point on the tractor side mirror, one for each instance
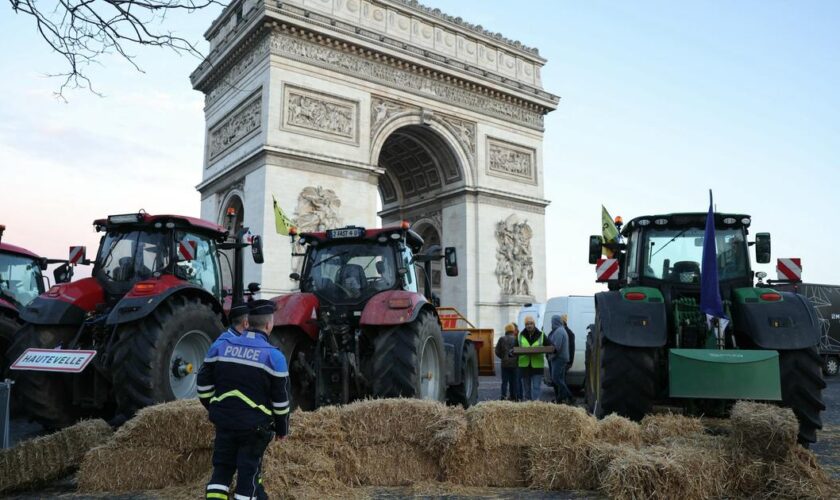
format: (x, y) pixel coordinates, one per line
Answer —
(762, 248)
(257, 249)
(595, 243)
(450, 261)
(63, 273)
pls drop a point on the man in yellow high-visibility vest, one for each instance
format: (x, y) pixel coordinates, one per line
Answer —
(531, 365)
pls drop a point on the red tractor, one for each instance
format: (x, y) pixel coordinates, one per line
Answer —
(21, 281)
(360, 327)
(136, 332)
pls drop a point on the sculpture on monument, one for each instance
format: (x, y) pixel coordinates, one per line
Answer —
(514, 262)
(317, 209)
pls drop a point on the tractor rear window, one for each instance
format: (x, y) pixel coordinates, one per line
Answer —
(133, 256)
(20, 279)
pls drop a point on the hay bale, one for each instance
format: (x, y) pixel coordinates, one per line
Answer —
(766, 431)
(657, 428)
(615, 429)
(600, 455)
(396, 464)
(117, 469)
(317, 427)
(180, 425)
(295, 465)
(496, 423)
(467, 464)
(798, 476)
(683, 469)
(45, 458)
(429, 425)
(559, 467)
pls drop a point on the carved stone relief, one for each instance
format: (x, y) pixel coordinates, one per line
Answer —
(317, 209)
(322, 115)
(329, 57)
(511, 161)
(233, 75)
(241, 123)
(514, 262)
(382, 110)
(463, 130)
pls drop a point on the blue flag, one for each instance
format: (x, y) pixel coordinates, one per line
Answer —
(710, 301)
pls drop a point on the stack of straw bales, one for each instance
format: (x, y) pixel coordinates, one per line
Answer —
(494, 450)
(163, 445)
(50, 457)
(335, 451)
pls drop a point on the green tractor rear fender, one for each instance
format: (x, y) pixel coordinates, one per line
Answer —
(786, 321)
(633, 317)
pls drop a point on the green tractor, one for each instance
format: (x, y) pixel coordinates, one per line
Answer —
(651, 344)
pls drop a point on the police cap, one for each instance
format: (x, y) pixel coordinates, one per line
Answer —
(238, 311)
(260, 307)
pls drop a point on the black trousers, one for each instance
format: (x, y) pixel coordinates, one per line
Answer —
(240, 452)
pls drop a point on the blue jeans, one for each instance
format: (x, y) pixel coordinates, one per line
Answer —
(558, 376)
(532, 385)
(509, 383)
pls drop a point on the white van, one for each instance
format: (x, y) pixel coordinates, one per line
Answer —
(535, 310)
(581, 311)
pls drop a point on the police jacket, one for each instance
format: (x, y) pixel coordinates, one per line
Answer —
(244, 383)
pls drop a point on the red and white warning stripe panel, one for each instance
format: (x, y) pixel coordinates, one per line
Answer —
(789, 269)
(606, 270)
(187, 249)
(77, 255)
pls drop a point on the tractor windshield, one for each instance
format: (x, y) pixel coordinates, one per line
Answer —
(349, 273)
(128, 257)
(675, 254)
(20, 279)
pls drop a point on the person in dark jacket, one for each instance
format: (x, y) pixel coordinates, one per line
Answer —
(504, 351)
(571, 335)
(531, 365)
(244, 385)
(238, 317)
(559, 359)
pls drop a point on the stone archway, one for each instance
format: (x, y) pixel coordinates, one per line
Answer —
(331, 106)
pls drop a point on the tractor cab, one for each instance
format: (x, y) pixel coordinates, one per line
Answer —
(20, 275)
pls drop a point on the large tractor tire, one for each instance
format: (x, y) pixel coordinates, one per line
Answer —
(293, 342)
(8, 327)
(626, 379)
(45, 397)
(802, 386)
(408, 360)
(466, 393)
(157, 358)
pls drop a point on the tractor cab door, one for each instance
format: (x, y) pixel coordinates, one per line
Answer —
(198, 261)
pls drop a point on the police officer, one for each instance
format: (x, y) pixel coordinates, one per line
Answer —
(244, 385)
(238, 317)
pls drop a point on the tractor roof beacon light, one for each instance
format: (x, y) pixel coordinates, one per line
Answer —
(125, 218)
(405, 225)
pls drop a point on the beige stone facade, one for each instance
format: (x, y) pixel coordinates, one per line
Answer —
(345, 110)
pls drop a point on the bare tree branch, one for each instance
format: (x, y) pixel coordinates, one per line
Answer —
(82, 31)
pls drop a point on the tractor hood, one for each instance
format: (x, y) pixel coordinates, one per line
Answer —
(65, 304)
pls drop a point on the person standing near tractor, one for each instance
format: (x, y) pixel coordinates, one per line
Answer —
(238, 317)
(559, 359)
(531, 365)
(504, 351)
(244, 385)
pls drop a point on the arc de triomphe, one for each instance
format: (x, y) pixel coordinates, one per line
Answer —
(345, 110)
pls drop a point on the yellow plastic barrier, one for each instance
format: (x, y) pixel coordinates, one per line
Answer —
(452, 319)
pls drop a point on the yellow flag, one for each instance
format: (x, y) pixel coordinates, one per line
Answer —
(281, 222)
(608, 230)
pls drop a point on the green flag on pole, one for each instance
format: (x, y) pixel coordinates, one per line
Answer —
(608, 230)
(281, 222)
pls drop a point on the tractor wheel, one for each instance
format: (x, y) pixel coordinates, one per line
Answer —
(157, 358)
(466, 393)
(802, 386)
(831, 366)
(626, 381)
(8, 327)
(588, 390)
(408, 361)
(293, 343)
(46, 397)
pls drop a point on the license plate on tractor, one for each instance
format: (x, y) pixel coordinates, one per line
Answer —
(53, 360)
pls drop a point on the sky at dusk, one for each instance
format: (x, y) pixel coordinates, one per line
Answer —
(660, 101)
